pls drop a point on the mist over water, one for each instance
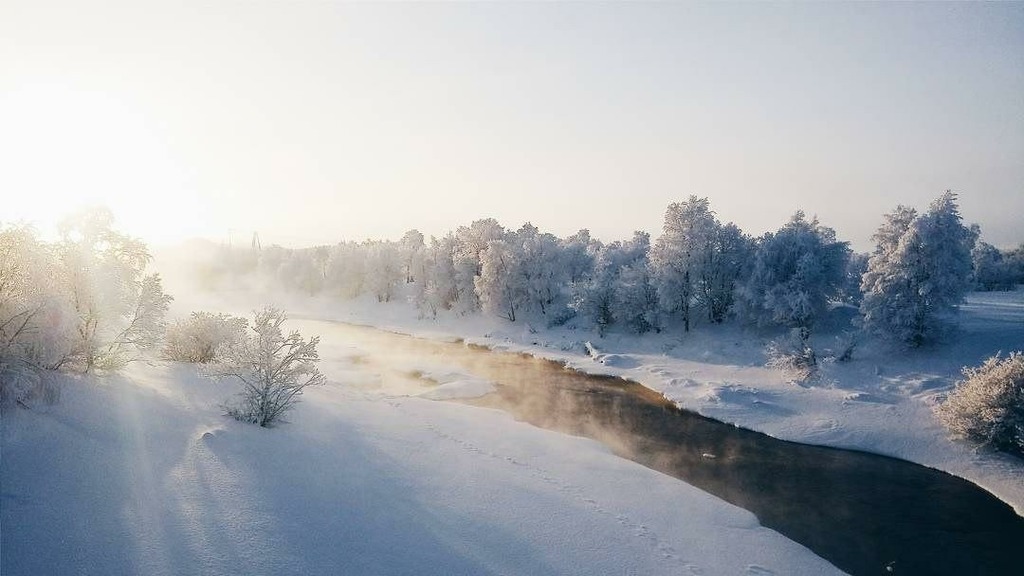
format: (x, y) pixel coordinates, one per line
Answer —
(862, 512)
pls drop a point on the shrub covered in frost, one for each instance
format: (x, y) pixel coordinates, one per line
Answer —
(199, 338)
(987, 406)
(273, 368)
(24, 385)
(794, 354)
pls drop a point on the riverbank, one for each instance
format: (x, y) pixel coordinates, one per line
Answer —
(881, 402)
(142, 473)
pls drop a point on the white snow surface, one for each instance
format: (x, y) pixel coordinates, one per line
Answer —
(141, 473)
(882, 401)
(458, 389)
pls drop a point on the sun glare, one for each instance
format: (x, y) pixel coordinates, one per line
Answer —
(64, 149)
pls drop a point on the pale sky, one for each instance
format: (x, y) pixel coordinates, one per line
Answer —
(314, 122)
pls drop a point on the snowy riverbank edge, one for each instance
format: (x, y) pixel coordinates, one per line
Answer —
(881, 402)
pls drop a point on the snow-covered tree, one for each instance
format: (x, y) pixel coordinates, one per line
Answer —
(619, 287)
(346, 269)
(636, 299)
(36, 324)
(990, 270)
(118, 309)
(918, 274)
(856, 266)
(143, 322)
(467, 260)
(579, 255)
(202, 336)
(634, 296)
(383, 269)
(796, 271)
(726, 263)
(27, 297)
(439, 290)
(1013, 261)
(987, 406)
(274, 369)
(594, 301)
(545, 274)
(500, 287)
(681, 253)
(299, 271)
(410, 249)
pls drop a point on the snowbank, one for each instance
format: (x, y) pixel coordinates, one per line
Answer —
(142, 474)
(880, 402)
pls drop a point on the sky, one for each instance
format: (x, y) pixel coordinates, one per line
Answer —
(315, 122)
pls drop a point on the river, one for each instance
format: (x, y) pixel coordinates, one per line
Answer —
(865, 513)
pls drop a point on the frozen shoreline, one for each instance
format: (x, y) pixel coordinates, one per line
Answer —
(881, 402)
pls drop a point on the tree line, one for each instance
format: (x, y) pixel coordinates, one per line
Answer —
(699, 270)
(86, 300)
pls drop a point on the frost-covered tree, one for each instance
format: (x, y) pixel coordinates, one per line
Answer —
(636, 298)
(439, 289)
(383, 269)
(299, 271)
(83, 302)
(410, 249)
(143, 323)
(726, 262)
(579, 255)
(987, 406)
(544, 272)
(856, 266)
(681, 253)
(990, 270)
(36, 324)
(1013, 261)
(607, 297)
(202, 336)
(918, 274)
(524, 273)
(500, 287)
(467, 260)
(28, 300)
(118, 309)
(796, 271)
(346, 269)
(595, 300)
(274, 369)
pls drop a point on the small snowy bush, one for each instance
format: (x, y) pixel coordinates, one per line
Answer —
(273, 368)
(199, 338)
(24, 385)
(793, 354)
(987, 406)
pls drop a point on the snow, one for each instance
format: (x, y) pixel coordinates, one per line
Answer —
(472, 388)
(141, 473)
(881, 402)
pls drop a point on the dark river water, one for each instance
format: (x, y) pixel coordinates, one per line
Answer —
(866, 514)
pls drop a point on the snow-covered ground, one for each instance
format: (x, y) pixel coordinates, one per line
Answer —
(141, 473)
(880, 402)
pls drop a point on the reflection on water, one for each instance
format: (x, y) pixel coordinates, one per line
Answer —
(866, 514)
